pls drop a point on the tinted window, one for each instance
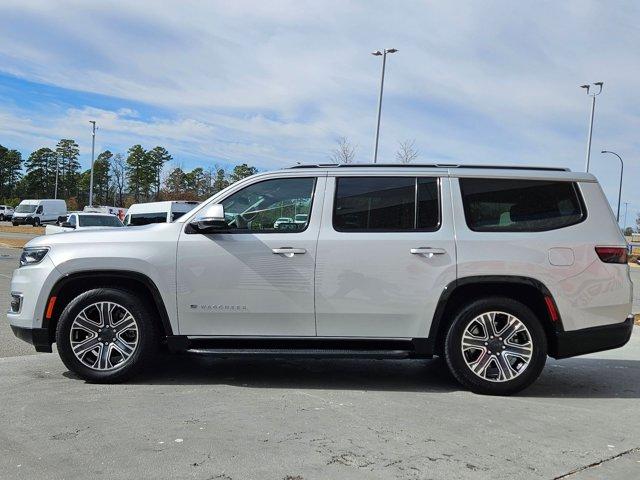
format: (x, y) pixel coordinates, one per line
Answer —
(507, 205)
(279, 205)
(370, 204)
(99, 221)
(137, 219)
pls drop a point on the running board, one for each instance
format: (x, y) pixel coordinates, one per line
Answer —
(312, 347)
(300, 353)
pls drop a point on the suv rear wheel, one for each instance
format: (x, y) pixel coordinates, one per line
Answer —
(106, 335)
(495, 346)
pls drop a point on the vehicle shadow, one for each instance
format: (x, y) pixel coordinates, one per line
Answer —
(585, 377)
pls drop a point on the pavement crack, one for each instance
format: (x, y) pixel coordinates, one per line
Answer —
(597, 464)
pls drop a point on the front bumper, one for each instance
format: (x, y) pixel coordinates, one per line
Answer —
(38, 337)
(590, 340)
(22, 220)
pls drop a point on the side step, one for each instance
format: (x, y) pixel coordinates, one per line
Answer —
(300, 353)
(310, 347)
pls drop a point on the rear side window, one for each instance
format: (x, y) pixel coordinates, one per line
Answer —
(386, 204)
(512, 205)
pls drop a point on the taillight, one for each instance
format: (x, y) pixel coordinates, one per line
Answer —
(612, 254)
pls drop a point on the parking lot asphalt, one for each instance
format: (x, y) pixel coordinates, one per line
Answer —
(204, 418)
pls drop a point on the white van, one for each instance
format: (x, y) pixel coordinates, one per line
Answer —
(157, 212)
(37, 212)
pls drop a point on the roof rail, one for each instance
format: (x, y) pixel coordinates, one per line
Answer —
(429, 165)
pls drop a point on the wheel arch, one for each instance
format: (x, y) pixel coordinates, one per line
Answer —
(529, 291)
(69, 286)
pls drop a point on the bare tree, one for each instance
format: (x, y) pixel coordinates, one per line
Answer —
(118, 169)
(345, 152)
(407, 151)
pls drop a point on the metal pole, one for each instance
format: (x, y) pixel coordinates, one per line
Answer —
(621, 174)
(375, 150)
(593, 108)
(626, 204)
(55, 192)
(93, 148)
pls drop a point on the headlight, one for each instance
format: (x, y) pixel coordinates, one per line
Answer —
(32, 255)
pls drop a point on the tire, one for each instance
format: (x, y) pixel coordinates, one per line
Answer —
(36, 222)
(15, 224)
(139, 343)
(504, 365)
(1, 217)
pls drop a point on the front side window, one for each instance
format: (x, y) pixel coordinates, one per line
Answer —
(386, 204)
(278, 205)
(513, 205)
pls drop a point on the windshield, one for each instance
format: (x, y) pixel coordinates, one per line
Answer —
(26, 208)
(99, 221)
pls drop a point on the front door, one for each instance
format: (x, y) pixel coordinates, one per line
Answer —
(257, 279)
(386, 251)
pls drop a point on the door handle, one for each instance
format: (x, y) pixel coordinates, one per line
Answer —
(429, 251)
(289, 251)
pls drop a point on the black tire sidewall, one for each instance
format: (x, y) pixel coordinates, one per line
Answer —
(459, 368)
(147, 336)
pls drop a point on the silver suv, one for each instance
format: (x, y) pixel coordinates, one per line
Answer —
(492, 268)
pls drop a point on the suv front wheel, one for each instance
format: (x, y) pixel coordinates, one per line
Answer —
(106, 335)
(495, 346)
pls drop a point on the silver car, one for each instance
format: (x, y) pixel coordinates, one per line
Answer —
(491, 268)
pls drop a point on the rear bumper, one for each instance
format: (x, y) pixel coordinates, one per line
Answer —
(38, 337)
(589, 340)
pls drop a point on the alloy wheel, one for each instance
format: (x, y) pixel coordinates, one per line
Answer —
(104, 336)
(497, 346)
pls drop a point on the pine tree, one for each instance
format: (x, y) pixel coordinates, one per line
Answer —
(10, 171)
(102, 178)
(40, 177)
(242, 171)
(68, 152)
(158, 157)
(140, 175)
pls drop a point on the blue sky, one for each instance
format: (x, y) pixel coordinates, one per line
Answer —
(274, 83)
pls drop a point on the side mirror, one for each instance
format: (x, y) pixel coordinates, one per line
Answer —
(210, 220)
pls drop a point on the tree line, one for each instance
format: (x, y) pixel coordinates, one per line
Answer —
(139, 175)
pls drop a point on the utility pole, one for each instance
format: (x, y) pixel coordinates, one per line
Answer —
(55, 192)
(621, 175)
(378, 53)
(593, 109)
(626, 204)
(93, 148)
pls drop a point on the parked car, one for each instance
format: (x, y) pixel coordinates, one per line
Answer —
(492, 268)
(281, 221)
(6, 212)
(117, 211)
(37, 212)
(157, 212)
(84, 221)
(301, 218)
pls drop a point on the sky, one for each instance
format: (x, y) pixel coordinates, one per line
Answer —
(275, 83)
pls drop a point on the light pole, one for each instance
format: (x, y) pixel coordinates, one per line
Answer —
(620, 187)
(593, 108)
(378, 53)
(93, 148)
(55, 192)
(626, 204)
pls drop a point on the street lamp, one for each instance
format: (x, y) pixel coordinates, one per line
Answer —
(620, 187)
(378, 53)
(593, 108)
(93, 148)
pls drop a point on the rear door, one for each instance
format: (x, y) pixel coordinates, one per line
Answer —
(386, 251)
